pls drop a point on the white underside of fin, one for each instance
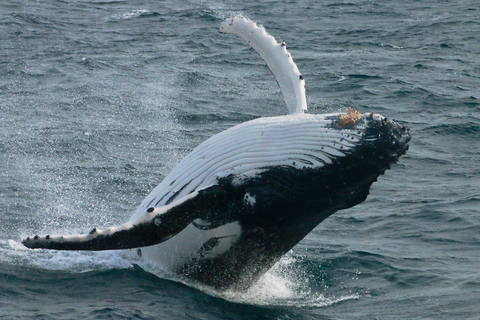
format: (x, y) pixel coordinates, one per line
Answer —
(188, 243)
(277, 58)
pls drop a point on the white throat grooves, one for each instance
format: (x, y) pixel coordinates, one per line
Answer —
(276, 56)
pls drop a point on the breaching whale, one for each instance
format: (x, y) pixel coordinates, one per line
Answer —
(244, 197)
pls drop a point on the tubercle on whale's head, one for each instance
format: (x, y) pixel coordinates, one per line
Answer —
(388, 138)
(382, 143)
(379, 143)
(349, 118)
(384, 131)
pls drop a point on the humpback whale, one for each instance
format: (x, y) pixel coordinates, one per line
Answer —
(246, 196)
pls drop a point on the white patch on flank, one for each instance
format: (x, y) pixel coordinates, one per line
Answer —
(188, 243)
(249, 199)
(225, 237)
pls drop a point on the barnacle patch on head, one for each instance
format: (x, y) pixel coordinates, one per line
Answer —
(349, 118)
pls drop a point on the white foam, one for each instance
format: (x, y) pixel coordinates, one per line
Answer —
(131, 14)
(14, 252)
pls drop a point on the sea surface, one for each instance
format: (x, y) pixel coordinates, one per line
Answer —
(100, 99)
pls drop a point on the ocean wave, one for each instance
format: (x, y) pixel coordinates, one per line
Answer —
(136, 13)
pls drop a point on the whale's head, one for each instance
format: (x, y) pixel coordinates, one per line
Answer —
(384, 140)
(364, 147)
(335, 158)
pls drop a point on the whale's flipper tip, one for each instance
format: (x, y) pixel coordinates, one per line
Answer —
(275, 55)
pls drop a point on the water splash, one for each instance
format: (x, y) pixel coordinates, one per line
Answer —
(132, 14)
(14, 253)
(285, 285)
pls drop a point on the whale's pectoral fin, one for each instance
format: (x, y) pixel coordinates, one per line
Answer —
(155, 226)
(277, 58)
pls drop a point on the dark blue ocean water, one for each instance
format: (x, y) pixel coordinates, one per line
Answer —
(100, 99)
